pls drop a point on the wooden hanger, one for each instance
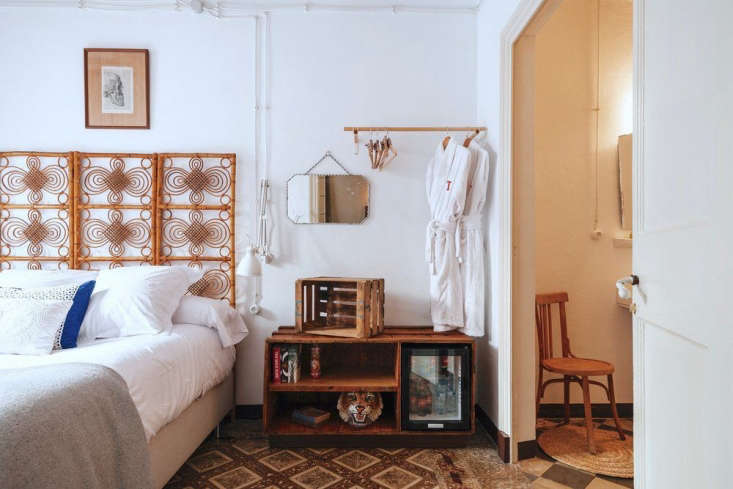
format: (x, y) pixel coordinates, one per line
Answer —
(468, 140)
(370, 148)
(446, 141)
(382, 152)
(389, 149)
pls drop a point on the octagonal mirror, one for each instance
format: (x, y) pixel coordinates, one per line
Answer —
(328, 199)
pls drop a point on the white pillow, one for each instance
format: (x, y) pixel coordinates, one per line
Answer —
(214, 314)
(134, 300)
(112, 277)
(68, 329)
(30, 326)
(25, 278)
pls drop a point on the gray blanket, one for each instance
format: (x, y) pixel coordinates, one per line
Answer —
(70, 426)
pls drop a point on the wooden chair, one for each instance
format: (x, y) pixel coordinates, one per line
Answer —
(572, 368)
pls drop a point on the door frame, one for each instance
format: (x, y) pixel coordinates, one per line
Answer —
(520, 19)
(638, 224)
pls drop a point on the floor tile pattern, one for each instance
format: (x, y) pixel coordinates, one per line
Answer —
(242, 459)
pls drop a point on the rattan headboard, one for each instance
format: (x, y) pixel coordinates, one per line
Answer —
(96, 210)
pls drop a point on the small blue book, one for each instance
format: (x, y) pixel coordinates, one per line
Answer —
(310, 416)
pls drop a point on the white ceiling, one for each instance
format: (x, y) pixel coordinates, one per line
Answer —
(387, 3)
(231, 7)
(382, 3)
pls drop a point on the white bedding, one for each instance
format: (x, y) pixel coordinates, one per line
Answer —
(164, 372)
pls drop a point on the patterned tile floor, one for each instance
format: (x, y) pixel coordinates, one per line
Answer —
(546, 473)
(242, 459)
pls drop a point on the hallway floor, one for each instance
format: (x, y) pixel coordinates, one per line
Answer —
(547, 473)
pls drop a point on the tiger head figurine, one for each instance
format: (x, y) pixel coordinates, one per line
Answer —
(360, 409)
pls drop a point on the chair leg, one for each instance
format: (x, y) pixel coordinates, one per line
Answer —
(612, 400)
(539, 394)
(588, 416)
(566, 397)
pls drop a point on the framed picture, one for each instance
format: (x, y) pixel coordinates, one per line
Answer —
(116, 89)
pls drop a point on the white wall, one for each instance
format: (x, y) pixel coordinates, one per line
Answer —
(328, 70)
(567, 259)
(490, 21)
(201, 84)
(331, 70)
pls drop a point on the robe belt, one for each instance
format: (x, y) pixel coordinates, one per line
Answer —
(472, 221)
(436, 227)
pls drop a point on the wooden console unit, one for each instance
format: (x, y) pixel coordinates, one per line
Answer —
(349, 364)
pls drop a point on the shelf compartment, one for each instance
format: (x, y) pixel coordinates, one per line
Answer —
(281, 422)
(345, 367)
(283, 425)
(341, 381)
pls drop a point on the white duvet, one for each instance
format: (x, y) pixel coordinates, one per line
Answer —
(164, 372)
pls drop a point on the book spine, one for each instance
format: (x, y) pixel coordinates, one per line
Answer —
(296, 364)
(299, 418)
(286, 373)
(276, 364)
(322, 418)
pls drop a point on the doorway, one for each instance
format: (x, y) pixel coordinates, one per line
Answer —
(572, 96)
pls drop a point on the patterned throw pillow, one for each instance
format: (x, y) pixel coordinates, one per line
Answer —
(78, 294)
(29, 326)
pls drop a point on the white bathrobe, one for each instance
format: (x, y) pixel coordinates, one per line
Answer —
(473, 266)
(446, 184)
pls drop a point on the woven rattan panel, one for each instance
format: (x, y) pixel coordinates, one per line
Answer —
(115, 209)
(36, 202)
(100, 210)
(196, 214)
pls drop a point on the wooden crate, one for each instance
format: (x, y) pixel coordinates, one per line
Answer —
(334, 306)
(348, 364)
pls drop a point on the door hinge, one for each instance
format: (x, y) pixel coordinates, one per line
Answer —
(632, 308)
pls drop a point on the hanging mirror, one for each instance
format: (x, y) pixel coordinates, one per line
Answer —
(624, 179)
(327, 199)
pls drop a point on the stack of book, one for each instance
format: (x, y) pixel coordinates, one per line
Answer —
(286, 363)
(310, 416)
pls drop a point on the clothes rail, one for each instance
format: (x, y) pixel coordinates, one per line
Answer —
(357, 129)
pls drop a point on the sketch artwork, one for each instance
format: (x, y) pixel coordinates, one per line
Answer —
(117, 86)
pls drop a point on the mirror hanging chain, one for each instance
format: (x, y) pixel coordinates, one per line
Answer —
(325, 156)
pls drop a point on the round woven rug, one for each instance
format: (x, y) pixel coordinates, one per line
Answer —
(568, 444)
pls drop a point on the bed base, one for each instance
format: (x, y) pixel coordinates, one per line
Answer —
(176, 441)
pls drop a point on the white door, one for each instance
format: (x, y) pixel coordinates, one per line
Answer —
(683, 243)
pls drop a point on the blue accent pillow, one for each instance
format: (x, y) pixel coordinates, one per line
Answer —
(75, 316)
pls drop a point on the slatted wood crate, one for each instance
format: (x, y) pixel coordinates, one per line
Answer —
(334, 306)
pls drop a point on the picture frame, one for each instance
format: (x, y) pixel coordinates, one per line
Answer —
(116, 88)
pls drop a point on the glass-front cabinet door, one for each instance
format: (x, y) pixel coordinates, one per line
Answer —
(436, 387)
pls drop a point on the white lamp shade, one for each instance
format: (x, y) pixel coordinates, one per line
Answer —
(250, 265)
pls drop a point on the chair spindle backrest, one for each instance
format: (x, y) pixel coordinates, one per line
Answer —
(543, 318)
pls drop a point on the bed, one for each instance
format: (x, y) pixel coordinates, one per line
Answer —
(92, 211)
(181, 384)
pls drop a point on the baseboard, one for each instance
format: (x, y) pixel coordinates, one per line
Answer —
(500, 438)
(526, 449)
(577, 410)
(249, 411)
(254, 411)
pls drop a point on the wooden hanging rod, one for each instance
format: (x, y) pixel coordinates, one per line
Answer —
(415, 129)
